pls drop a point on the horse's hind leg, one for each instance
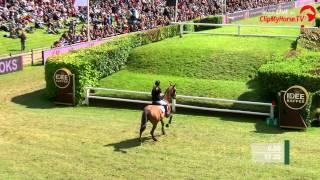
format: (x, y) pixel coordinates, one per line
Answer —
(162, 123)
(152, 131)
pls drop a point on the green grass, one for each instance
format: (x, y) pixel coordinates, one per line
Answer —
(207, 56)
(39, 39)
(39, 141)
(206, 65)
(201, 65)
(240, 90)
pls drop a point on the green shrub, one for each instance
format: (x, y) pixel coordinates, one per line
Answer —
(310, 39)
(318, 22)
(308, 112)
(282, 73)
(91, 64)
(209, 19)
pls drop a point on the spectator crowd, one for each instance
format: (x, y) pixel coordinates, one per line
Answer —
(107, 17)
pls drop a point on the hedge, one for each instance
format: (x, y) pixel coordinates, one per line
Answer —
(282, 73)
(310, 39)
(317, 22)
(91, 64)
(209, 19)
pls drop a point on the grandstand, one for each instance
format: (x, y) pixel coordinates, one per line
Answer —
(64, 23)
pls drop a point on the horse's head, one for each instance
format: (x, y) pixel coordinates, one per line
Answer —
(171, 91)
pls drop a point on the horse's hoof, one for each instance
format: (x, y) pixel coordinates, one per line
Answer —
(167, 125)
(155, 139)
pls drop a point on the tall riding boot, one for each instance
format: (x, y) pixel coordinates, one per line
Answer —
(166, 111)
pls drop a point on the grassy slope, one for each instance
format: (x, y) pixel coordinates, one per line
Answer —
(191, 59)
(207, 57)
(194, 62)
(39, 141)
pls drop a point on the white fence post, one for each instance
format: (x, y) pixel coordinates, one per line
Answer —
(173, 105)
(238, 29)
(272, 111)
(86, 95)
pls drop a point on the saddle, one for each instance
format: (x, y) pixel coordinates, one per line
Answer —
(162, 107)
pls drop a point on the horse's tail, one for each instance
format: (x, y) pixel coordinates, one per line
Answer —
(144, 117)
(144, 120)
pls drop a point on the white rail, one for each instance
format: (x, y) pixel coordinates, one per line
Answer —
(174, 105)
(238, 32)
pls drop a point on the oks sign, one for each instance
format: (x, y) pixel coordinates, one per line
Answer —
(296, 97)
(11, 65)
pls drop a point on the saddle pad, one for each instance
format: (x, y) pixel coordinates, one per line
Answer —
(162, 109)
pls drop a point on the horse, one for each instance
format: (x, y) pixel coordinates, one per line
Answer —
(154, 114)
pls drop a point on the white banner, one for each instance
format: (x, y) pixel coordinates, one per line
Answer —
(81, 3)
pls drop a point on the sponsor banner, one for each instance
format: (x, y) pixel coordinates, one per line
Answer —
(296, 97)
(62, 78)
(271, 8)
(237, 16)
(11, 64)
(65, 82)
(300, 3)
(288, 5)
(256, 12)
(80, 3)
(66, 49)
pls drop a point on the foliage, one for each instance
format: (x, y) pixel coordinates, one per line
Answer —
(209, 19)
(317, 22)
(91, 64)
(310, 39)
(282, 73)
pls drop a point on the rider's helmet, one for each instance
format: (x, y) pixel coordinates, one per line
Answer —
(157, 83)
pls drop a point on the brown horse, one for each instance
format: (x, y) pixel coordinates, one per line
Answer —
(154, 114)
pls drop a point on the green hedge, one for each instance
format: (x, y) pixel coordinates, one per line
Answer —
(282, 73)
(209, 19)
(308, 112)
(91, 64)
(310, 39)
(317, 22)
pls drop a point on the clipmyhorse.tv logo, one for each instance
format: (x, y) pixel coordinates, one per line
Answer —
(307, 13)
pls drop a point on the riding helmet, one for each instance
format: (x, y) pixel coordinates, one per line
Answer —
(157, 83)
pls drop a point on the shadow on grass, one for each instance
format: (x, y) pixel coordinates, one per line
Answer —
(36, 99)
(122, 146)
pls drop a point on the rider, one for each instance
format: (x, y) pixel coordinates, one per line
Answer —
(156, 98)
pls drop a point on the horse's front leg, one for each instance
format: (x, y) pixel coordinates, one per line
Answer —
(170, 119)
(162, 123)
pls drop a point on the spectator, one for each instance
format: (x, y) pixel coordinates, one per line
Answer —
(23, 39)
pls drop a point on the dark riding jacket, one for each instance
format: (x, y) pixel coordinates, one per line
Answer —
(156, 91)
